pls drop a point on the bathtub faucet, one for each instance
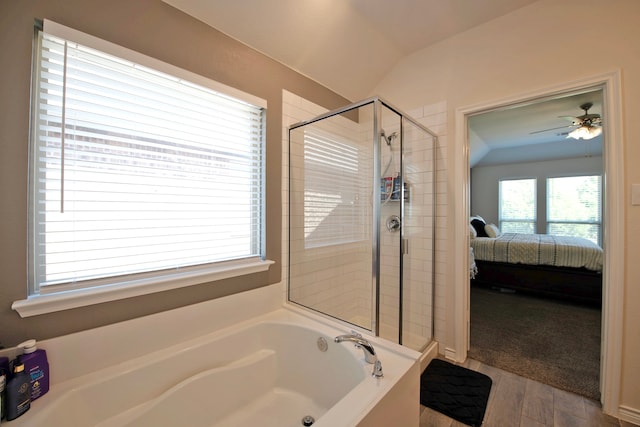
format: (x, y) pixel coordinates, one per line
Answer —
(367, 348)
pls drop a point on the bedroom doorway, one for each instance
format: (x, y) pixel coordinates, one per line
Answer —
(536, 313)
(609, 86)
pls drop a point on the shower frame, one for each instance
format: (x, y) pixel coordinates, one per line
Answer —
(378, 105)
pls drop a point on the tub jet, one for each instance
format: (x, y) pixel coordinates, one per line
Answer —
(307, 420)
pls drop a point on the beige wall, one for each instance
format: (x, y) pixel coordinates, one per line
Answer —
(155, 29)
(546, 44)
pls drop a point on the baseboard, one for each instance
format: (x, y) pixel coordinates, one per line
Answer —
(450, 354)
(631, 415)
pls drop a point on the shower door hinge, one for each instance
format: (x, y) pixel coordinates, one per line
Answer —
(405, 246)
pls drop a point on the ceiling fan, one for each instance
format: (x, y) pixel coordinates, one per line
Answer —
(588, 125)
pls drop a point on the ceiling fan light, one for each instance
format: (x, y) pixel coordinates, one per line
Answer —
(585, 132)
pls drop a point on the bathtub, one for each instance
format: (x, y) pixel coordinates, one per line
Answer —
(268, 371)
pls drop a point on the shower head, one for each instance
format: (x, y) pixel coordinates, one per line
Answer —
(388, 139)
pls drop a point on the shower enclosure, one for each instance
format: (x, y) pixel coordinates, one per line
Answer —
(362, 220)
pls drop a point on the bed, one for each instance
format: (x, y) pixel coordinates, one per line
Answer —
(563, 267)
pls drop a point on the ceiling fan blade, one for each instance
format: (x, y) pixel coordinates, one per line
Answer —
(589, 117)
(547, 130)
(573, 120)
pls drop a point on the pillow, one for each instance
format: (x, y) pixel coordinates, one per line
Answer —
(477, 217)
(492, 230)
(479, 226)
(472, 232)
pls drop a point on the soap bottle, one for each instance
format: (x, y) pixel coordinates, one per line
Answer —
(18, 392)
(4, 379)
(3, 382)
(36, 366)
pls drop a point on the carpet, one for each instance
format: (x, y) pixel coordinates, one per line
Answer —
(454, 391)
(552, 342)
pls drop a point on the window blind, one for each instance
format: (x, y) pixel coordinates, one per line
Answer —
(574, 206)
(333, 189)
(517, 205)
(137, 171)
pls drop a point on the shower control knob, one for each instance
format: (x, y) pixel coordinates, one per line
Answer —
(393, 223)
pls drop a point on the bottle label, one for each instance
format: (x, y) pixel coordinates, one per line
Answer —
(36, 373)
(38, 383)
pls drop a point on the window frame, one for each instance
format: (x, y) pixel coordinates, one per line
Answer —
(139, 284)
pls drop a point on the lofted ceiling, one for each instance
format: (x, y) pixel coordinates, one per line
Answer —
(349, 46)
(346, 45)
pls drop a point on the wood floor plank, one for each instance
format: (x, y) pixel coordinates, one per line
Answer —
(431, 418)
(528, 422)
(507, 401)
(569, 403)
(596, 418)
(538, 402)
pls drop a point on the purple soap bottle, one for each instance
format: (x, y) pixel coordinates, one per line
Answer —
(36, 366)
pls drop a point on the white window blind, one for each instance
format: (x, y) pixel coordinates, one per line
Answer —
(135, 171)
(333, 189)
(517, 200)
(574, 207)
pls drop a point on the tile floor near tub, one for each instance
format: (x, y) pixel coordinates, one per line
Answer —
(519, 402)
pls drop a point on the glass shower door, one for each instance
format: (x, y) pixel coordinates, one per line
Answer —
(330, 215)
(390, 224)
(418, 236)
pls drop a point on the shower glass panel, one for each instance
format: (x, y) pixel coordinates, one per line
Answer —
(418, 235)
(330, 215)
(361, 215)
(390, 224)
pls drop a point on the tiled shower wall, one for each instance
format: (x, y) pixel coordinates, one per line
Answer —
(354, 302)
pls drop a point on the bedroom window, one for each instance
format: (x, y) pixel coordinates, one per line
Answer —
(574, 207)
(142, 173)
(517, 205)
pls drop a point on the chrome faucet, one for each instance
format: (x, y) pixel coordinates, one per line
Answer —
(367, 348)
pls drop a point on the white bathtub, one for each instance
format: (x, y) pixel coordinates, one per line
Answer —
(266, 371)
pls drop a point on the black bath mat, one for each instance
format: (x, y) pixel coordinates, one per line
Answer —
(457, 392)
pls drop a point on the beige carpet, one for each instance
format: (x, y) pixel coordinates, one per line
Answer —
(549, 341)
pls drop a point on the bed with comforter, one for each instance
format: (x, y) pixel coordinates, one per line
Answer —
(557, 266)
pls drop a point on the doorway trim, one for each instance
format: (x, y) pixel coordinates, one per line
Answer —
(613, 227)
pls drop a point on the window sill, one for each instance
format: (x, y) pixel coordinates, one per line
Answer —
(49, 303)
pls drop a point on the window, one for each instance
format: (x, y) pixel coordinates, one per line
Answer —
(138, 174)
(574, 207)
(517, 201)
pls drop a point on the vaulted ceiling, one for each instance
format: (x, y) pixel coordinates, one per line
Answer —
(350, 45)
(346, 45)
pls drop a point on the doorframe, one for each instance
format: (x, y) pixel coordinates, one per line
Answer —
(613, 227)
